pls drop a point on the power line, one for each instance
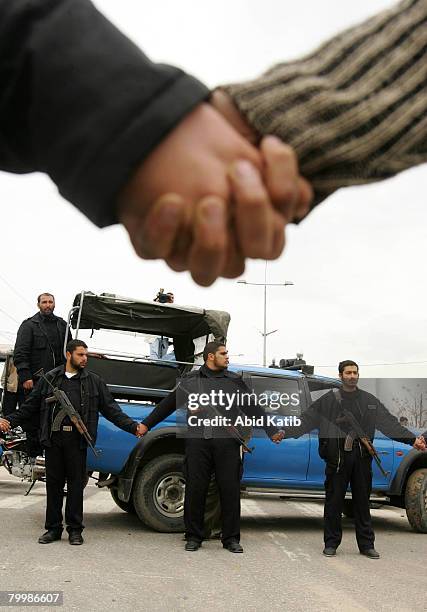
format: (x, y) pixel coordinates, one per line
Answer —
(8, 315)
(12, 288)
(390, 363)
(7, 335)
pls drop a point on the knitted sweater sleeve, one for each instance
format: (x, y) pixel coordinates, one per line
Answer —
(355, 110)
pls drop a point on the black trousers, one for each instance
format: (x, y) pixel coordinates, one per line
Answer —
(9, 402)
(202, 458)
(356, 471)
(65, 461)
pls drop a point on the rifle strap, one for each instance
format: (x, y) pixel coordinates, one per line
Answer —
(351, 435)
(337, 395)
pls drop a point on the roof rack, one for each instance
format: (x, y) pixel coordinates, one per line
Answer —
(296, 364)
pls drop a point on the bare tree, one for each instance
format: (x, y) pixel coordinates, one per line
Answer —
(412, 406)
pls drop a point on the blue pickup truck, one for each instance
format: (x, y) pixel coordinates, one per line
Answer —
(148, 474)
(145, 476)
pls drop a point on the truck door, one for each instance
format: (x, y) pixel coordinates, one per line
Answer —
(316, 388)
(280, 396)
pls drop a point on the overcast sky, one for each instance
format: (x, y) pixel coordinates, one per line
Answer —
(358, 261)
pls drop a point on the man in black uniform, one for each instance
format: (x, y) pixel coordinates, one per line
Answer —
(353, 466)
(66, 449)
(39, 344)
(210, 448)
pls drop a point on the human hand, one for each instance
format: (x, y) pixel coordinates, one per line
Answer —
(295, 207)
(420, 444)
(141, 430)
(278, 437)
(28, 385)
(195, 226)
(4, 425)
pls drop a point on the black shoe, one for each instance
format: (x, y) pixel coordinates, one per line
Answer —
(75, 537)
(50, 536)
(329, 551)
(192, 545)
(371, 553)
(233, 546)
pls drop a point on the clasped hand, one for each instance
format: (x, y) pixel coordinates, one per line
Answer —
(141, 430)
(206, 199)
(4, 425)
(420, 444)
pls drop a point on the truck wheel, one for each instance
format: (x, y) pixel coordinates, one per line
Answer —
(159, 491)
(126, 506)
(416, 500)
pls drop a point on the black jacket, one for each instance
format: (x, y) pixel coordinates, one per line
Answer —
(204, 380)
(96, 398)
(80, 102)
(323, 413)
(33, 350)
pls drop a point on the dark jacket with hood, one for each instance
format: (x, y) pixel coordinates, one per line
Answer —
(372, 415)
(95, 399)
(37, 347)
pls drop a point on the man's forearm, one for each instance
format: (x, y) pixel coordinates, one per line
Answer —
(355, 110)
(164, 409)
(81, 102)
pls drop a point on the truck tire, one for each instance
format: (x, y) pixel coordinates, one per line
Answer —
(158, 495)
(416, 500)
(125, 506)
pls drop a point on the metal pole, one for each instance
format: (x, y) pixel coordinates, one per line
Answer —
(264, 361)
(264, 334)
(82, 297)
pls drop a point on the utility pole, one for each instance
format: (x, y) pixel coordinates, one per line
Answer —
(265, 333)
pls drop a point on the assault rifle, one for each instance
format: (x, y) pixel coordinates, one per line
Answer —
(66, 409)
(233, 431)
(357, 433)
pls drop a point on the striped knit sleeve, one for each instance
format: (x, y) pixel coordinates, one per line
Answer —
(355, 110)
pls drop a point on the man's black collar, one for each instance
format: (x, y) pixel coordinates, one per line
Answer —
(81, 373)
(208, 373)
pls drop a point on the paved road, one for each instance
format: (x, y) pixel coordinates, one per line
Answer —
(125, 566)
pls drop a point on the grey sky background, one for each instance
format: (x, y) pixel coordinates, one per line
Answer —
(357, 261)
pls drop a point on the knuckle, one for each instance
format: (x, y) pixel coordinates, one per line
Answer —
(254, 200)
(286, 192)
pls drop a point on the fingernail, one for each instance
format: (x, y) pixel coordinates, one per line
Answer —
(245, 171)
(273, 138)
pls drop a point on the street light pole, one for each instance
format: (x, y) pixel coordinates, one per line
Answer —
(265, 285)
(264, 351)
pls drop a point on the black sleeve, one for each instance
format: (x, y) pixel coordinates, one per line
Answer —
(388, 424)
(22, 351)
(253, 409)
(163, 409)
(111, 410)
(29, 411)
(81, 102)
(310, 419)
